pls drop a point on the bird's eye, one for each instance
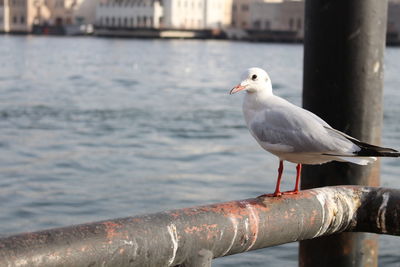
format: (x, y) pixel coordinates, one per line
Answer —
(254, 77)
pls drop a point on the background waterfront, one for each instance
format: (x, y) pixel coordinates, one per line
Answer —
(101, 128)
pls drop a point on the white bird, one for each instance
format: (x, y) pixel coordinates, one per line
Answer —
(297, 135)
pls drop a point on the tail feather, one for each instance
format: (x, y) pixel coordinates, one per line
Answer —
(368, 150)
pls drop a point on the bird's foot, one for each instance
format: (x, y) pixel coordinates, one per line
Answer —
(276, 194)
(293, 192)
(279, 194)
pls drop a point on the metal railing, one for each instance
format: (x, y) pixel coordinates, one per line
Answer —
(194, 236)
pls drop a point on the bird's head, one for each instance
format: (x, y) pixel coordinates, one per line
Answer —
(254, 80)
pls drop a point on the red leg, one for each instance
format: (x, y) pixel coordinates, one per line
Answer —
(296, 187)
(298, 168)
(277, 192)
(278, 182)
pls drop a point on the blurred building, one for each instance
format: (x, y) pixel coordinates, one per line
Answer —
(283, 20)
(269, 20)
(20, 15)
(280, 20)
(197, 14)
(4, 16)
(241, 14)
(25, 15)
(129, 13)
(281, 15)
(170, 14)
(70, 15)
(85, 12)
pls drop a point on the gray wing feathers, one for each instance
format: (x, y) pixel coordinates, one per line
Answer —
(299, 129)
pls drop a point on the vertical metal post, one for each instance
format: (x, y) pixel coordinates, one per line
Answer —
(343, 79)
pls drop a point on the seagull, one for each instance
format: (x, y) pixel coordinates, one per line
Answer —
(297, 135)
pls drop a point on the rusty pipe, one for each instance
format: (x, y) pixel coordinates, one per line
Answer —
(192, 235)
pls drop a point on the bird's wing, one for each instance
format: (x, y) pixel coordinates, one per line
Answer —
(288, 128)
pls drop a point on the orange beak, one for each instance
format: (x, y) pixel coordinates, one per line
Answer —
(237, 88)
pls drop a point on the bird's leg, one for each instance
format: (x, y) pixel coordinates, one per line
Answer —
(296, 187)
(298, 175)
(278, 182)
(277, 192)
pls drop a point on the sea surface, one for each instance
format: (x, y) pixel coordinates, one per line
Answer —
(94, 129)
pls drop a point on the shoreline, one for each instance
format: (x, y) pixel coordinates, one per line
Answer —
(259, 36)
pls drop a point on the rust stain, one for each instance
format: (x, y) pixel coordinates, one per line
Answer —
(192, 229)
(211, 230)
(301, 195)
(111, 230)
(137, 220)
(175, 214)
(186, 212)
(371, 246)
(239, 209)
(232, 208)
(347, 250)
(200, 228)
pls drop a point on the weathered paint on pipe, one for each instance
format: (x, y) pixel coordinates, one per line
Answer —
(193, 236)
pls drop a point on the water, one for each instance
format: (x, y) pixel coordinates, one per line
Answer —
(94, 128)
